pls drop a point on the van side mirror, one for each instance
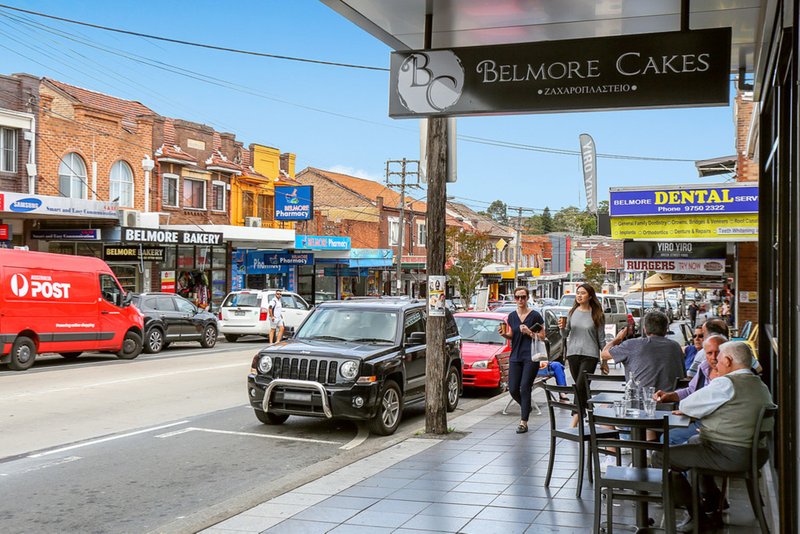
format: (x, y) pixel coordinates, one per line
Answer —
(127, 299)
(416, 338)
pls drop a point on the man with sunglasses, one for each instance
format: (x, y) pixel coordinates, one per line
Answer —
(691, 350)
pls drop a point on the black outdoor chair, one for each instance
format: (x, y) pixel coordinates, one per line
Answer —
(758, 458)
(639, 484)
(599, 383)
(681, 383)
(579, 434)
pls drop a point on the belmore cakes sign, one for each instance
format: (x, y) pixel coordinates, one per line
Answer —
(652, 70)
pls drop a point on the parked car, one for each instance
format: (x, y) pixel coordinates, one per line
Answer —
(354, 359)
(322, 296)
(169, 318)
(614, 308)
(245, 313)
(64, 304)
(484, 351)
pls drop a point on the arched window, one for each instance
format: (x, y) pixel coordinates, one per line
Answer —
(72, 176)
(121, 184)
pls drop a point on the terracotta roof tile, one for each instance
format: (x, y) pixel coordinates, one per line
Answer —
(371, 190)
(218, 160)
(129, 109)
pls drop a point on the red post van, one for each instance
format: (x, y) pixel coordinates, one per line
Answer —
(64, 304)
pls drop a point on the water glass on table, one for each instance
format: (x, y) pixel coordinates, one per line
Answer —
(650, 407)
(648, 392)
(619, 408)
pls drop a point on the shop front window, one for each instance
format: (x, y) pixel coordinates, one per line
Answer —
(185, 258)
(218, 256)
(202, 258)
(247, 204)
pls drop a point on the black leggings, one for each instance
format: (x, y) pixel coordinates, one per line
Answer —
(520, 382)
(579, 363)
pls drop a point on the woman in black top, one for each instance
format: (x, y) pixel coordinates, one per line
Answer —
(521, 370)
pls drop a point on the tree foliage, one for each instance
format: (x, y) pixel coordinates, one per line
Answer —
(575, 221)
(595, 275)
(547, 221)
(498, 211)
(469, 253)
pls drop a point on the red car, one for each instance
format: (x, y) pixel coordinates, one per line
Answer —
(484, 352)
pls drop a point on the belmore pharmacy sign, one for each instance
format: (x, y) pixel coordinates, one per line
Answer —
(651, 70)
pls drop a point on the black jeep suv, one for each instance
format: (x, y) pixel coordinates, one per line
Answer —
(359, 359)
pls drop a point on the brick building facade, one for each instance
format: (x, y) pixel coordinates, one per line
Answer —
(19, 96)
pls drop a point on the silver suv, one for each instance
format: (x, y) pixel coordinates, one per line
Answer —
(244, 312)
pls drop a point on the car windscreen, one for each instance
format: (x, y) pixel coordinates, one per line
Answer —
(242, 300)
(350, 324)
(567, 300)
(479, 330)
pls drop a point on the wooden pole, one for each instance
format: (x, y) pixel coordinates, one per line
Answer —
(435, 407)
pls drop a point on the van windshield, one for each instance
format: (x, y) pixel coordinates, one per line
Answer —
(242, 300)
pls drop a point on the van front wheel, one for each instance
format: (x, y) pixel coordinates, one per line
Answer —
(23, 353)
(131, 346)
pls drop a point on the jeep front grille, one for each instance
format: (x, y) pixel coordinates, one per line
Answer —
(299, 368)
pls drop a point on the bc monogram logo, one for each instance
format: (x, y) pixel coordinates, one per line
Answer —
(430, 82)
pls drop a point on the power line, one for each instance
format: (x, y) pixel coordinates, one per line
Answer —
(195, 44)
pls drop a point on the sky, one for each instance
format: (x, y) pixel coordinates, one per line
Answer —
(336, 118)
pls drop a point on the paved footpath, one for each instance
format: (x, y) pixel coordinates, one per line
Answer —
(491, 480)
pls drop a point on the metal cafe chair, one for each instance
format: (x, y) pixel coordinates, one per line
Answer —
(758, 457)
(599, 383)
(579, 435)
(638, 483)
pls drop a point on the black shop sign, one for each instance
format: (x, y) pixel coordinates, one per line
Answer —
(651, 70)
(170, 237)
(674, 250)
(132, 253)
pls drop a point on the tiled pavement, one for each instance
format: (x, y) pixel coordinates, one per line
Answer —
(491, 480)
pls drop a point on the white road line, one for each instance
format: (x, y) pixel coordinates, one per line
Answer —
(121, 381)
(103, 440)
(253, 434)
(361, 437)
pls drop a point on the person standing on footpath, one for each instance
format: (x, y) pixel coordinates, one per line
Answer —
(693, 314)
(583, 329)
(521, 367)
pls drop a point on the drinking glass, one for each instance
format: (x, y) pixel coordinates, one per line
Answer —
(650, 407)
(619, 408)
(648, 392)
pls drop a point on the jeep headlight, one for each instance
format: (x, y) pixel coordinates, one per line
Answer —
(265, 364)
(349, 370)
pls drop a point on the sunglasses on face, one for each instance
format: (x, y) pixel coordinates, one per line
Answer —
(520, 297)
(698, 336)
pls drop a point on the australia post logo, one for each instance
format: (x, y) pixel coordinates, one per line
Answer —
(430, 82)
(38, 286)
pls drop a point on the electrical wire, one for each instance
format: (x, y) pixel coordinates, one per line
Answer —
(195, 44)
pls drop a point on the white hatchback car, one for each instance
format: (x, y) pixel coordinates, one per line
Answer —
(244, 313)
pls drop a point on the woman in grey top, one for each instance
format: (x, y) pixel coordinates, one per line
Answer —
(584, 332)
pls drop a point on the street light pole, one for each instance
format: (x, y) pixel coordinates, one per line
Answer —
(401, 228)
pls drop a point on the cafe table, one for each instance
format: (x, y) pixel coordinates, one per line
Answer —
(639, 434)
(606, 397)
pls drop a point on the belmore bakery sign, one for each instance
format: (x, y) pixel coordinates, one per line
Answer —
(170, 237)
(633, 71)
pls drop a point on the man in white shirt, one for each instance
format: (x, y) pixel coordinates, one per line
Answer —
(728, 410)
(276, 317)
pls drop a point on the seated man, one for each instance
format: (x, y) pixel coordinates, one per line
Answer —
(654, 361)
(728, 409)
(691, 350)
(706, 373)
(710, 327)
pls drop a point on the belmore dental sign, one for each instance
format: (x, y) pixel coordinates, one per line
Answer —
(633, 71)
(170, 237)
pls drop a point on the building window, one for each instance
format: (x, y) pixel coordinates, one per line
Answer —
(8, 150)
(247, 204)
(548, 266)
(194, 194)
(422, 233)
(265, 203)
(72, 176)
(218, 196)
(394, 231)
(170, 190)
(121, 184)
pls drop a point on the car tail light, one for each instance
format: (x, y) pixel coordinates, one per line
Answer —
(263, 315)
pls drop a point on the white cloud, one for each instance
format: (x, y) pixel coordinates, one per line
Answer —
(358, 173)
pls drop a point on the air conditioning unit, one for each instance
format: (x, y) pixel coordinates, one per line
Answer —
(129, 218)
(252, 221)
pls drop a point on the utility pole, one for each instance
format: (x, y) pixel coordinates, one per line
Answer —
(402, 173)
(517, 248)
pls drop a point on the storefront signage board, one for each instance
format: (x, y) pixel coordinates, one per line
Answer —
(45, 205)
(5, 232)
(358, 272)
(652, 70)
(294, 203)
(321, 242)
(371, 257)
(168, 281)
(132, 253)
(170, 237)
(660, 250)
(67, 235)
(262, 260)
(707, 267)
(742, 227)
(714, 199)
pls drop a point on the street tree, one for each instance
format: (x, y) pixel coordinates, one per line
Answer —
(575, 221)
(595, 275)
(547, 221)
(468, 253)
(534, 225)
(498, 211)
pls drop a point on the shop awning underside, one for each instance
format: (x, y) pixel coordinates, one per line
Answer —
(660, 281)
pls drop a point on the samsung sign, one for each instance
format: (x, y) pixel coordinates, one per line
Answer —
(651, 70)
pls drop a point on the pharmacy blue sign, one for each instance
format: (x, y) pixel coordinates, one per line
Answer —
(716, 199)
(322, 242)
(264, 262)
(294, 203)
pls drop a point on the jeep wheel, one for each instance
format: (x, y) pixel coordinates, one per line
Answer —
(154, 341)
(231, 338)
(209, 337)
(270, 418)
(452, 389)
(131, 346)
(23, 353)
(390, 410)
